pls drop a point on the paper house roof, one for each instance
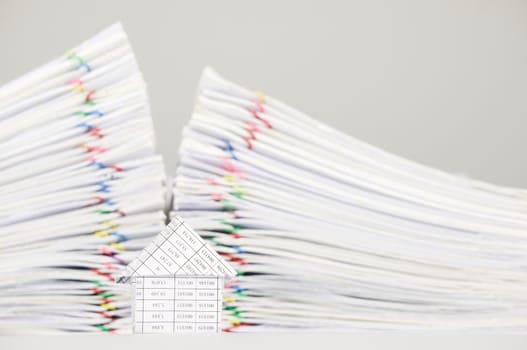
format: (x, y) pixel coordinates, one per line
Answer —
(178, 250)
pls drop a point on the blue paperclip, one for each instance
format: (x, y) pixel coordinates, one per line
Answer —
(229, 149)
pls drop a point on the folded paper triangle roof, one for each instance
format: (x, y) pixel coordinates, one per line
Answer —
(178, 250)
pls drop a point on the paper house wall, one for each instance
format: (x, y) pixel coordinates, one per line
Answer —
(177, 283)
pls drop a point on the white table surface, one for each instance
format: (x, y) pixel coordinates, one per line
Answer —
(270, 341)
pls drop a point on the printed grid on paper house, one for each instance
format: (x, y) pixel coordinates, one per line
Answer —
(178, 250)
(177, 304)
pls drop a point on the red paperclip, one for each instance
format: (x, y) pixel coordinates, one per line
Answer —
(115, 167)
(104, 274)
(89, 95)
(227, 165)
(265, 121)
(217, 196)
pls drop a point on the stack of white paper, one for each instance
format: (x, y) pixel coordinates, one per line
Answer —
(81, 186)
(328, 232)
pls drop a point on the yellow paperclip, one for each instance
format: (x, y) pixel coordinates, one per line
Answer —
(229, 299)
(108, 307)
(101, 233)
(260, 95)
(229, 178)
(78, 88)
(239, 190)
(234, 322)
(109, 223)
(117, 246)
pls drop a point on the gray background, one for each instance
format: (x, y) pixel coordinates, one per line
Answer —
(440, 82)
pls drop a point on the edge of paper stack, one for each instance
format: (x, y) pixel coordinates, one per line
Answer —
(81, 186)
(330, 233)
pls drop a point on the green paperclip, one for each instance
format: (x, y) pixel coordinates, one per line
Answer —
(97, 283)
(227, 204)
(234, 228)
(73, 56)
(238, 195)
(237, 313)
(102, 327)
(213, 240)
(103, 211)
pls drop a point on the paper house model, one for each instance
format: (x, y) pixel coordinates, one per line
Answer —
(177, 283)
